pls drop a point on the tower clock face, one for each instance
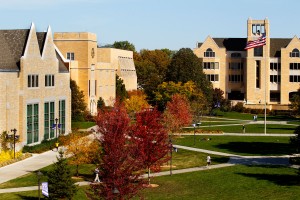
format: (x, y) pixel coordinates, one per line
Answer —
(93, 53)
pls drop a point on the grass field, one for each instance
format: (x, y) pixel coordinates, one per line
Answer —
(230, 183)
(241, 145)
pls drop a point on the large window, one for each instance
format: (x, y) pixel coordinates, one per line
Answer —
(62, 116)
(236, 78)
(49, 110)
(257, 74)
(210, 65)
(295, 66)
(33, 80)
(32, 123)
(257, 29)
(209, 53)
(258, 51)
(70, 56)
(49, 80)
(212, 77)
(294, 53)
(236, 65)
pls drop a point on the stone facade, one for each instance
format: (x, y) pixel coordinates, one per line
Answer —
(94, 69)
(270, 73)
(40, 79)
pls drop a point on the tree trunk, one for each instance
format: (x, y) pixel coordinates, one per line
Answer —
(149, 176)
(77, 166)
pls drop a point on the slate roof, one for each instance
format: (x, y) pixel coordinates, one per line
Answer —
(238, 44)
(12, 47)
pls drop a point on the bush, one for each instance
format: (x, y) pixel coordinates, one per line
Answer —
(45, 145)
(239, 107)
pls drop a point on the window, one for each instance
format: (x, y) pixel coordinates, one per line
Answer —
(275, 78)
(294, 78)
(48, 120)
(257, 74)
(236, 65)
(236, 55)
(275, 66)
(62, 116)
(32, 123)
(33, 80)
(258, 51)
(294, 53)
(257, 29)
(275, 96)
(212, 77)
(210, 65)
(49, 80)
(70, 56)
(294, 66)
(236, 78)
(209, 53)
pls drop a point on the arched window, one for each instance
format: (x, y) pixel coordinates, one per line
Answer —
(236, 55)
(209, 53)
(294, 53)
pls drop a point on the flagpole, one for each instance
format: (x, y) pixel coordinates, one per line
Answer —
(265, 94)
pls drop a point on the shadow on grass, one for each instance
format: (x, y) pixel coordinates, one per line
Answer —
(29, 198)
(220, 159)
(278, 179)
(281, 128)
(261, 148)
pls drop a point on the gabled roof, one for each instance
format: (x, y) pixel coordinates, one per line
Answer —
(276, 44)
(12, 47)
(231, 44)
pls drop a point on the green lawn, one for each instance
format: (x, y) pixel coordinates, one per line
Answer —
(241, 145)
(230, 183)
(250, 128)
(82, 125)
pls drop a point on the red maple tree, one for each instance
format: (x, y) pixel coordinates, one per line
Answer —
(120, 167)
(177, 113)
(152, 139)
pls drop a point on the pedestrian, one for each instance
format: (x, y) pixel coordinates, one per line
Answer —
(244, 129)
(97, 175)
(208, 160)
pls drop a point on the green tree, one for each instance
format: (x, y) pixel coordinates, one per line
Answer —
(121, 92)
(186, 66)
(100, 104)
(295, 103)
(78, 103)
(151, 67)
(60, 180)
(125, 45)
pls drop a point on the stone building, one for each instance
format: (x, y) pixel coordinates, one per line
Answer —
(34, 86)
(270, 72)
(94, 69)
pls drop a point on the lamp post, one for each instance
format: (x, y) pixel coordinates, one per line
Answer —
(56, 131)
(171, 149)
(15, 137)
(194, 125)
(39, 175)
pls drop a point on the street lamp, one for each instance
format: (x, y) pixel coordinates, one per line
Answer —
(194, 125)
(16, 137)
(39, 175)
(171, 149)
(57, 126)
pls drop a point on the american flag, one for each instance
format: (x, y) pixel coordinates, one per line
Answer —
(261, 41)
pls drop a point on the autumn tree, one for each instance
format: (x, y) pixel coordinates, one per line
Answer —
(78, 104)
(136, 102)
(80, 149)
(186, 66)
(121, 162)
(152, 139)
(177, 113)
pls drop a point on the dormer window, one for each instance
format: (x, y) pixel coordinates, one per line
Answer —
(209, 53)
(294, 53)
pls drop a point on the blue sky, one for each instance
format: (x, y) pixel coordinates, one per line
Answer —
(152, 24)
